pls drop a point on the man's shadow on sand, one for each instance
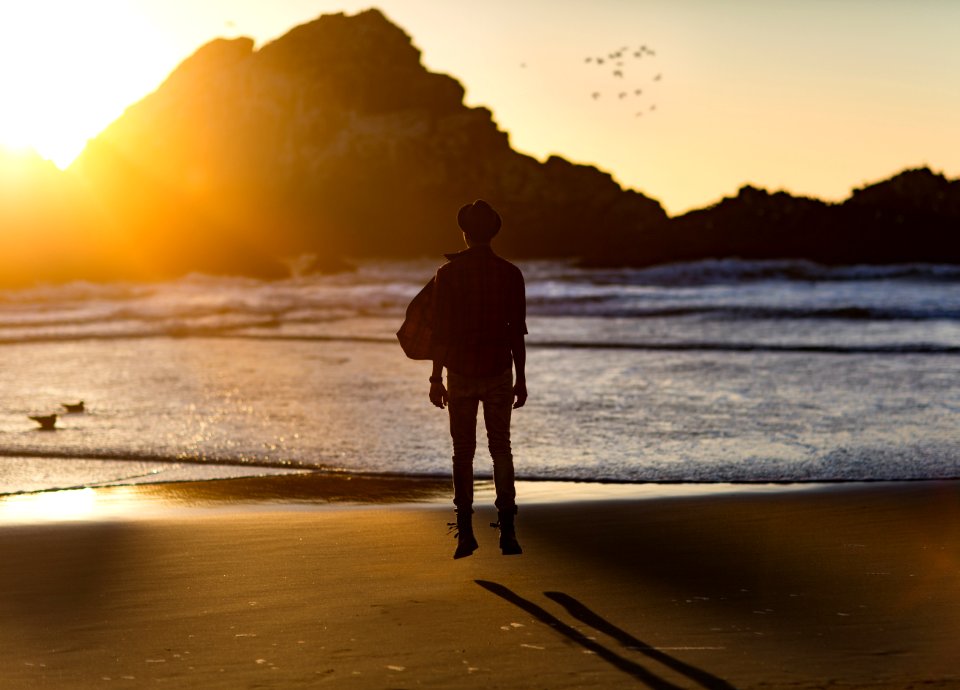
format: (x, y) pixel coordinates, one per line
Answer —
(589, 617)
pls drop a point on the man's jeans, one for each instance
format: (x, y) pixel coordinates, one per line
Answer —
(465, 393)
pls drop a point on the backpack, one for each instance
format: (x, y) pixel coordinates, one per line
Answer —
(416, 331)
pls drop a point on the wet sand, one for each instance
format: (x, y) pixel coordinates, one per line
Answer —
(850, 586)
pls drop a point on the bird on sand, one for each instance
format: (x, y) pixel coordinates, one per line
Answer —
(73, 407)
(46, 422)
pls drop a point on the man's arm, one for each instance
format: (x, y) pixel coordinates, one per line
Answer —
(438, 394)
(519, 349)
(440, 341)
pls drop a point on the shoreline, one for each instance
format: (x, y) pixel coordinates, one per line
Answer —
(319, 490)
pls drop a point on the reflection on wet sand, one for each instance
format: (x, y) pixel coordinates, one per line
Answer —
(150, 500)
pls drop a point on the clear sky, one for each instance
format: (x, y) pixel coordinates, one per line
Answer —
(815, 97)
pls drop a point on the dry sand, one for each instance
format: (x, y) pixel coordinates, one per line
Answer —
(853, 586)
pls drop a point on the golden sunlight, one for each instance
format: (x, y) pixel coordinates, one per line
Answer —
(67, 69)
(76, 504)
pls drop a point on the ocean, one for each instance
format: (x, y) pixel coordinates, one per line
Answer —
(714, 371)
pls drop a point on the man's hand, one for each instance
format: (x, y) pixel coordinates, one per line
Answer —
(438, 395)
(519, 393)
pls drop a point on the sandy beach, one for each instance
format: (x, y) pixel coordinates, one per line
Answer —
(840, 586)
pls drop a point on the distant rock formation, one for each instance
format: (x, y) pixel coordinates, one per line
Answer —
(912, 217)
(334, 141)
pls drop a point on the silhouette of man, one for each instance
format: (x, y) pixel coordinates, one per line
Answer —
(479, 322)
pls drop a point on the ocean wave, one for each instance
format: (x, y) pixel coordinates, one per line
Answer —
(727, 290)
(197, 320)
(885, 348)
(135, 456)
(727, 271)
(614, 307)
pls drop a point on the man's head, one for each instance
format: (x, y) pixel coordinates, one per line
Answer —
(479, 222)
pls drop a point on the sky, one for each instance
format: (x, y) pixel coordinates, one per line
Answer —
(814, 97)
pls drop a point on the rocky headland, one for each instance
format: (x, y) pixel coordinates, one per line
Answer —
(334, 141)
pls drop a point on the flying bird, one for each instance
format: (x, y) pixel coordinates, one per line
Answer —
(46, 422)
(616, 59)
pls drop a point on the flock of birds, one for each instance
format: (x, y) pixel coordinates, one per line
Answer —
(48, 422)
(616, 63)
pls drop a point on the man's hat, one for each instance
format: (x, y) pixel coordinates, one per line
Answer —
(479, 221)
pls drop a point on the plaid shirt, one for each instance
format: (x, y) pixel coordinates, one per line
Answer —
(479, 309)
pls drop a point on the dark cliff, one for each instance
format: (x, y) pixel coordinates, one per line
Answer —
(332, 140)
(912, 217)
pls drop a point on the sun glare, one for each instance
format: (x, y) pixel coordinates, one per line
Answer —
(77, 504)
(67, 69)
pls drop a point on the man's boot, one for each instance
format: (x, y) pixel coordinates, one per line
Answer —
(509, 546)
(466, 541)
(463, 500)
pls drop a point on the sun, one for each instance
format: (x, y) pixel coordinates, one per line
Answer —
(68, 68)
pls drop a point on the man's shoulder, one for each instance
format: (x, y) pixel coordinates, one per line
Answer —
(500, 261)
(447, 269)
(510, 267)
